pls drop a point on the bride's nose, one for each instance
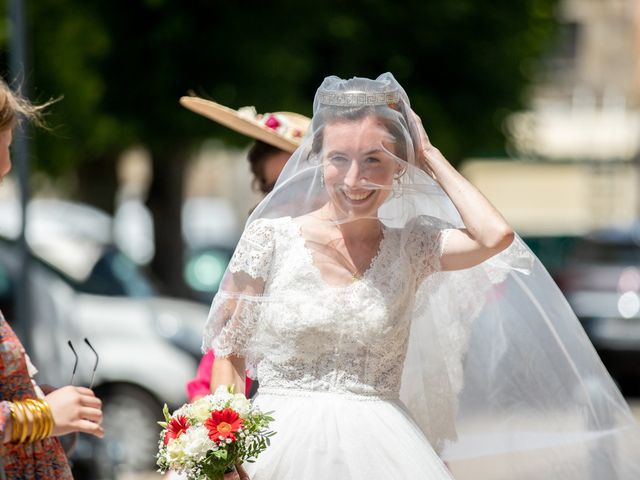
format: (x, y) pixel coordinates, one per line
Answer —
(354, 174)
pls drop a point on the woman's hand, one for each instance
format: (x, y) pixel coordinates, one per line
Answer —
(429, 157)
(487, 232)
(239, 474)
(75, 409)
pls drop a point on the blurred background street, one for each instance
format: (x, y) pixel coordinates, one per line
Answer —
(120, 218)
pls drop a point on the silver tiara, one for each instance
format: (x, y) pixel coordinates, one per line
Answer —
(357, 99)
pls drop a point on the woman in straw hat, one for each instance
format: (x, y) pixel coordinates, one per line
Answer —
(30, 421)
(395, 321)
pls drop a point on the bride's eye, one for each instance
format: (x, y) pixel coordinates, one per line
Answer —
(338, 159)
(372, 160)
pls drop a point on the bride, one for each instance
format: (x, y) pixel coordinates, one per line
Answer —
(394, 320)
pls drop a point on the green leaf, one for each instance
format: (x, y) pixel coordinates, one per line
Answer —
(220, 454)
(165, 411)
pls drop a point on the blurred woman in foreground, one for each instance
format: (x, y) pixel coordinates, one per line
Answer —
(30, 421)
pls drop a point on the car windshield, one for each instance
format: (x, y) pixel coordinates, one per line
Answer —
(114, 274)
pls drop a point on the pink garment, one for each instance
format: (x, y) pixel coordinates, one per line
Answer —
(200, 386)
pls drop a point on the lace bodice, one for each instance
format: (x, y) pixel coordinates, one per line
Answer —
(301, 333)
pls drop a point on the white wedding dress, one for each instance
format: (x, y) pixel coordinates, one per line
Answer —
(329, 358)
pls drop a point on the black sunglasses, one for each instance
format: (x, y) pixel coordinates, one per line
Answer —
(75, 365)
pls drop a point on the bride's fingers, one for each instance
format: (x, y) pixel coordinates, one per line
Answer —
(243, 474)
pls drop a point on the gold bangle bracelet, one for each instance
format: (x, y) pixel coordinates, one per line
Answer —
(31, 423)
(49, 418)
(17, 424)
(46, 419)
(41, 424)
(38, 419)
(34, 421)
(25, 421)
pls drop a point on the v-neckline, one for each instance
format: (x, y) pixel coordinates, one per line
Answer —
(297, 229)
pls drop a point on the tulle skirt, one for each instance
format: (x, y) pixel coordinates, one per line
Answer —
(347, 437)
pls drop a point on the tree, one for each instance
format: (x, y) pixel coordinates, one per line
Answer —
(122, 66)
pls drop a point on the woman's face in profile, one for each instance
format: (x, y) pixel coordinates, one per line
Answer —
(272, 165)
(359, 165)
(5, 156)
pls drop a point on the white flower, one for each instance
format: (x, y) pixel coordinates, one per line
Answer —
(248, 113)
(181, 411)
(175, 451)
(241, 405)
(200, 409)
(196, 443)
(222, 394)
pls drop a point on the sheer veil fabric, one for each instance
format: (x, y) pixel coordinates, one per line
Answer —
(495, 370)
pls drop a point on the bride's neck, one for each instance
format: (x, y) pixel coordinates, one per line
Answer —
(353, 229)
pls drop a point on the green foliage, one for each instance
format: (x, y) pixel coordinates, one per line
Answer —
(121, 66)
(167, 416)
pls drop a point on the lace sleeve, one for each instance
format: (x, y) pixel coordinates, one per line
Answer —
(237, 305)
(425, 244)
(253, 253)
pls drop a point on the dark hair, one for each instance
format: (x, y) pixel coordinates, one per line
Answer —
(258, 154)
(342, 114)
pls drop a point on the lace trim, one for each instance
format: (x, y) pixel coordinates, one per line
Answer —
(425, 245)
(300, 242)
(253, 254)
(230, 325)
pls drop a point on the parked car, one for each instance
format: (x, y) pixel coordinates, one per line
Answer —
(148, 345)
(601, 280)
(203, 271)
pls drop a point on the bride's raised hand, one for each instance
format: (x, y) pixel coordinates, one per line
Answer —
(238, 474)
(428, 154)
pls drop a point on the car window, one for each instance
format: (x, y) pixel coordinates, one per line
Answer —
(116, 275)
(605, 252)
(204, 269)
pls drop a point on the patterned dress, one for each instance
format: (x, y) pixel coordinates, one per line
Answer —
(41, 460)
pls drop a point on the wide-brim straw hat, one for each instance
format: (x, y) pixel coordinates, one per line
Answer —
(283, 130)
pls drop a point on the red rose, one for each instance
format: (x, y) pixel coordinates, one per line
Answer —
(177, 426)
(272, 122)
(223, 423)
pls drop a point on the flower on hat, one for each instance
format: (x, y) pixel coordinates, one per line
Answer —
(272, 122)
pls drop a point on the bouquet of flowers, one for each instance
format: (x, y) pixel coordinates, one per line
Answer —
(206, 438)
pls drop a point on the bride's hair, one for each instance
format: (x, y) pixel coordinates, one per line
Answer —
(329, 115)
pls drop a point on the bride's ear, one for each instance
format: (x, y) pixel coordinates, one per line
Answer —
(399, 173)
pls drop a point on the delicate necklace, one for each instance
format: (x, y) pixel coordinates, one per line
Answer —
(356, 274)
